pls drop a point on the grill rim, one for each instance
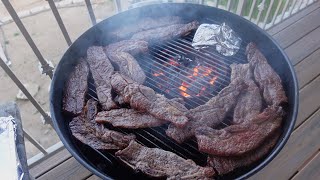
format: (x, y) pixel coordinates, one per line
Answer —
(71, 53)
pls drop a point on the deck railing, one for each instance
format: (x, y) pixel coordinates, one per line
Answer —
(264, 13)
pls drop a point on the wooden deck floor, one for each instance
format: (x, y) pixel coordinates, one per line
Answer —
(300, 158)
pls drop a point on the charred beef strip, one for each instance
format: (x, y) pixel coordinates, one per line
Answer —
(144, 99)
(128, 118)
(76, 89)
(166, 33)
(86, 130)
(101, 69)
(144, 24)
(249, 103)
(267, 79)
(156, 162)
(121, 53)
(224, 165)
(236, 140)
(211, 113)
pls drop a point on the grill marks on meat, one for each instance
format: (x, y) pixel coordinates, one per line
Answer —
(267, 79)
(210, 114)
(84, 128)
(121, 53)
(144, 99)
(101, 69)
(128, 118)
(76, 89)
(236, 140)
(166, 33)
(249, 103)
(224, 165)
(160, 163)
(145, 24)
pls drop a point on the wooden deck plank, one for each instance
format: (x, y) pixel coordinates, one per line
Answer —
(308, 69)
(298, 29)
(309, 100)
(311, 170)
(296, 17)
(70, 169)
(50, 163)
(303, 142)
(304, 46)
(93, 177)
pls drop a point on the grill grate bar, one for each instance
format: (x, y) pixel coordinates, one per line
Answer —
(162, 80)
(186, 78)
(217, 72)
(176, 45)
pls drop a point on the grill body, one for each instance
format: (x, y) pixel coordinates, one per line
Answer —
(107, 166)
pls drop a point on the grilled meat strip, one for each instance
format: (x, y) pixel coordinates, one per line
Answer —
(76, 89)
(224, 165)
(156, 162)
(236, 140)
(128, 118)
(144, 99)
(249, 103)
(267, 79)
(121, 53)
(86, 130)
(144, 24)
(210, 114)
(166, 33)
(101, 69)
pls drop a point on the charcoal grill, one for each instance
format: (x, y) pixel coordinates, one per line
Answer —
(105, 164)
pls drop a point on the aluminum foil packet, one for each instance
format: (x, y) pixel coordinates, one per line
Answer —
(227, 42)
(9, 164)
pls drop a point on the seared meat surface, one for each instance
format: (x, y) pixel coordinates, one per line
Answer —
(76, 89)
(144, 99)
(267, 79)
(156, 162)
(166, 33)
(128, 118)
(224, 165)
(145, 24)
(236, 140)
(101, 69)
(121, 53)
(249, 103)
(86, 130)
(211, 113)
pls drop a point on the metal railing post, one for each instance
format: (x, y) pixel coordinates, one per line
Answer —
(240, 6)
(251, 9)
(47, 69)
(267, 15)
(34, 142)
(59, 21)
(276, 14)
(260, 11)
(284, 10)
(117, 4)
(91, 13)
(14, 78)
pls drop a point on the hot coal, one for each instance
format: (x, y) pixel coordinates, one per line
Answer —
(166, 33)
(144, 24)
(237, 140)
(76, 89)
(101, 69)
(86, 130)
(156, 162)
(267, 79)
(144, 99)
(128, 118)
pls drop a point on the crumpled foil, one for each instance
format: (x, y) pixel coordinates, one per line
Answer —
(227, 42)
(9, 164)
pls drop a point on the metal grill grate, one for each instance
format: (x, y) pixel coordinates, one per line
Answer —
(159, 57)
